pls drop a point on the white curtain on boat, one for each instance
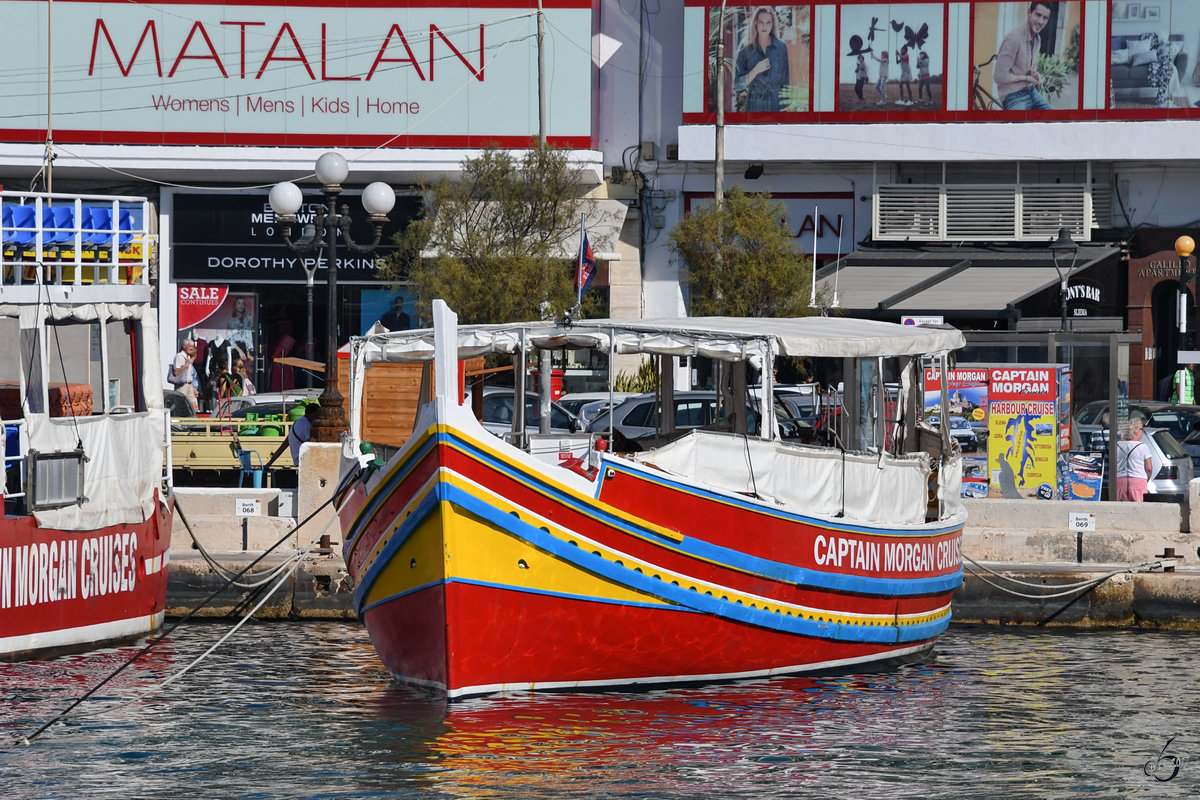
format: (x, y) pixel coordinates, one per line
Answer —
(950, 486)
(805, 480)
(124, 451)
(124, 466)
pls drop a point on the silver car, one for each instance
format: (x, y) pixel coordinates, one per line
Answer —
(637, 417)
(1171, 470)
(498, 413)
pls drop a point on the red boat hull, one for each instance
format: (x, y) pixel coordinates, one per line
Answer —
(478, 573)
(65, 591)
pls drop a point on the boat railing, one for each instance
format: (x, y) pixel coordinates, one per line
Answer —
(74, 239)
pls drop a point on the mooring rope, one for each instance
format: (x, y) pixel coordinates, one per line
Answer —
(26, 740)
(228, 573)
(246, 618)
(283, 579)
(1066, 588)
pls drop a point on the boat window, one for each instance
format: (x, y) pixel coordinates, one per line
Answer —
(74, 368)
(122, 390)
(10, 376)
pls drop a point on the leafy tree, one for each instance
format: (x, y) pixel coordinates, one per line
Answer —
(740, 259)
(491, 243)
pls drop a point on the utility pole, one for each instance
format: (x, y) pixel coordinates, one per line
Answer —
(719, 166)
(544, 365)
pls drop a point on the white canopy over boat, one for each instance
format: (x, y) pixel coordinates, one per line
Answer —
(722, 338)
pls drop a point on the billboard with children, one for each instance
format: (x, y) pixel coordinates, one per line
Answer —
(890, 56)
(953, 60)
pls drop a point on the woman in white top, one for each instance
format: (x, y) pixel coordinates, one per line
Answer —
(1133, 464)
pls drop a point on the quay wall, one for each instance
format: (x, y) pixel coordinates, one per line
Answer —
(1011, 548)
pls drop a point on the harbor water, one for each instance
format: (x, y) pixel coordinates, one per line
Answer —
(304, 710)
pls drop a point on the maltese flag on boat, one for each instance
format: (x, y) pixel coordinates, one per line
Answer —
(586, 270)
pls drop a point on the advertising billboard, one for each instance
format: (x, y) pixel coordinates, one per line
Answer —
(354, 73)
(951, 61)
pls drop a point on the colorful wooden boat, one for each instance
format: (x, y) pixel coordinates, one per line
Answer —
(484, 567)
(86, 529)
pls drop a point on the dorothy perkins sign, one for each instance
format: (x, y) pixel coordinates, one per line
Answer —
(358, 72)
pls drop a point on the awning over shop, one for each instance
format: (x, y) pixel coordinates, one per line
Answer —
(951, 281)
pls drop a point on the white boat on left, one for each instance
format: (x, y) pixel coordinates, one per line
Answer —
(87, 509)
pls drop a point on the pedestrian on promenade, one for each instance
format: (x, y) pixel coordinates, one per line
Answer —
(243, 377)
(1133, 464)
(300, 432)
(1183, 387)
(182, 374)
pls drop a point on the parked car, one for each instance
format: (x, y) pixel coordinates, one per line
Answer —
(1191, 446)
(1089, 418)
(637, 417)
(270, 402)
(586, 405)
(498, 413)
(178, 404)
(960, 430)
(1178, 419)
(819, 408)
(1172, 467)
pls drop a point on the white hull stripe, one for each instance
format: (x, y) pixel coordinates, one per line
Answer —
(158, 563)
(84, 634)
(502, 688)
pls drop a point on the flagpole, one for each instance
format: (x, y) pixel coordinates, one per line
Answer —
(579, 266)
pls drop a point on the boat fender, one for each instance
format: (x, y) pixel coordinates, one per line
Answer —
(368, 462)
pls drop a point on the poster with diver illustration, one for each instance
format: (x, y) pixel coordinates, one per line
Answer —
(1023, 429)
(890, 57)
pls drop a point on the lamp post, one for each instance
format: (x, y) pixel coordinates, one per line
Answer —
(286, 199)
(1065, 251)
(1184, 246)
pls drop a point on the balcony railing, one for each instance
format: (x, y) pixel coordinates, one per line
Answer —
(982, 212)
(74, 239)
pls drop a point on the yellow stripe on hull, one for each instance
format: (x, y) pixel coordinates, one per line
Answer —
(418, 562)
(478, 551)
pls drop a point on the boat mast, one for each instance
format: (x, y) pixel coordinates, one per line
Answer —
(543, 355)
(48, 158)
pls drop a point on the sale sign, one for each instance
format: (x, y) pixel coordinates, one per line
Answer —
(198, 303)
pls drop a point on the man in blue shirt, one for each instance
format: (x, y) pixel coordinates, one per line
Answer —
(300, 432)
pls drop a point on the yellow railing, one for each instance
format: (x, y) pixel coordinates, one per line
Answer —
(212, 443)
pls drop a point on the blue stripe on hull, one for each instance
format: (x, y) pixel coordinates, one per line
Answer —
(691, 546)
(684, 598)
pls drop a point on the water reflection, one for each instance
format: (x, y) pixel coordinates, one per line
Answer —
(306, 711)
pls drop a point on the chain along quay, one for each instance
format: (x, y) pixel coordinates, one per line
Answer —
(1026, 562)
